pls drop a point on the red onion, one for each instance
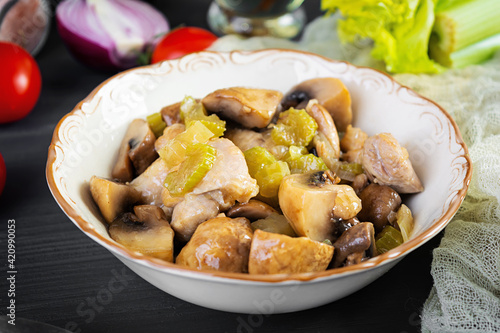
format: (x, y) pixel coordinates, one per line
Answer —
(109, 34)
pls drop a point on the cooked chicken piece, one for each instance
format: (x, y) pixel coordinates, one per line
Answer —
(112, 198)
(387, 163)
(227, 181)
(246, 139)
(169, 133)
(229, 174)
(220, 244)
(136, 151)
(330, 92)
(150, 182)
(249, 107)
(353, 156)
(354, 139)
(147, 231)
(191, 212)
(272, 253)
(312, 201)
(326, 141)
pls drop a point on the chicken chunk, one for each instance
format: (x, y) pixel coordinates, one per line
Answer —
(273, 253)
(150, 182)
(221, 244)
(387, 163)
(191, 212)
(217, 191)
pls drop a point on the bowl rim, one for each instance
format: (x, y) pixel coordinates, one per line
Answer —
(157, 264)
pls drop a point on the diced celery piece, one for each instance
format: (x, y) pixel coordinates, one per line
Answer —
(388, 239)
(299, 161)
(174, 152)
(276, 223)
(200, 158)
(191, 111)
(156, 123)
(294, 127)
(404, 219)
(270, 177)
(257, 158)
(268, 171)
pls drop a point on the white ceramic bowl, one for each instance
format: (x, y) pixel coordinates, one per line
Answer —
(86, 141)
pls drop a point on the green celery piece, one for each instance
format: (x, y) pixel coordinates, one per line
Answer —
(475, 53)
(388, 239)
(400, 30)
(464, 25)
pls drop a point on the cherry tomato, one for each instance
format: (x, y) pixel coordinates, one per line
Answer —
(182, 41)
(20, 82)
(3, 173)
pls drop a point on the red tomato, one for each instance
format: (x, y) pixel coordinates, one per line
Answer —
(3, 173)
(182, 41)
(20, 82)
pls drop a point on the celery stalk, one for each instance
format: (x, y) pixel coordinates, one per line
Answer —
(475, 53)
(461, 26)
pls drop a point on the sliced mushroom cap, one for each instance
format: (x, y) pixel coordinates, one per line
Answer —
(312, 202)
(147, 231)
(171, 114)
(221, 244)
(112, 198)
(252, 210)
(356, 243)
(272, 253)
(326, 140)
(330, 92)
(249, 107)
(379, 201)
(387, 163)
(136, 151)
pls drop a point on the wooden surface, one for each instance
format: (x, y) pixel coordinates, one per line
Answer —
(63, 276)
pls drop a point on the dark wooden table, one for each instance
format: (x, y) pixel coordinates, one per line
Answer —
(61, 272)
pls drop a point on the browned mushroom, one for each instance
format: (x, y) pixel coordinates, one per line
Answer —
(171, 114)
(355, 244)
(221, 244)
(330, 92)
(147, 231)
(312, 201)
(252, 210)
(272, 253)
(359, 183)
(249, 107)
(136, 152)
(112, 198)
(379, 201)
(387, 163)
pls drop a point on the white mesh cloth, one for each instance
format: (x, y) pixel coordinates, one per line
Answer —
(466, 265)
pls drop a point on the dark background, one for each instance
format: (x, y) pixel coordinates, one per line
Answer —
(61, 271)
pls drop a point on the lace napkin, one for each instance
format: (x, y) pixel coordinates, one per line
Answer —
(466, 265)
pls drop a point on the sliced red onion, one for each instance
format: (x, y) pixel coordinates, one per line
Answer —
(109, 34)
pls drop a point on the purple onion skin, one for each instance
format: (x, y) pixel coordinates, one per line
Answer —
(87, 52)
(90, 53)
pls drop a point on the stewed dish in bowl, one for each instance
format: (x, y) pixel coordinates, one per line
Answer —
(222, 178)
